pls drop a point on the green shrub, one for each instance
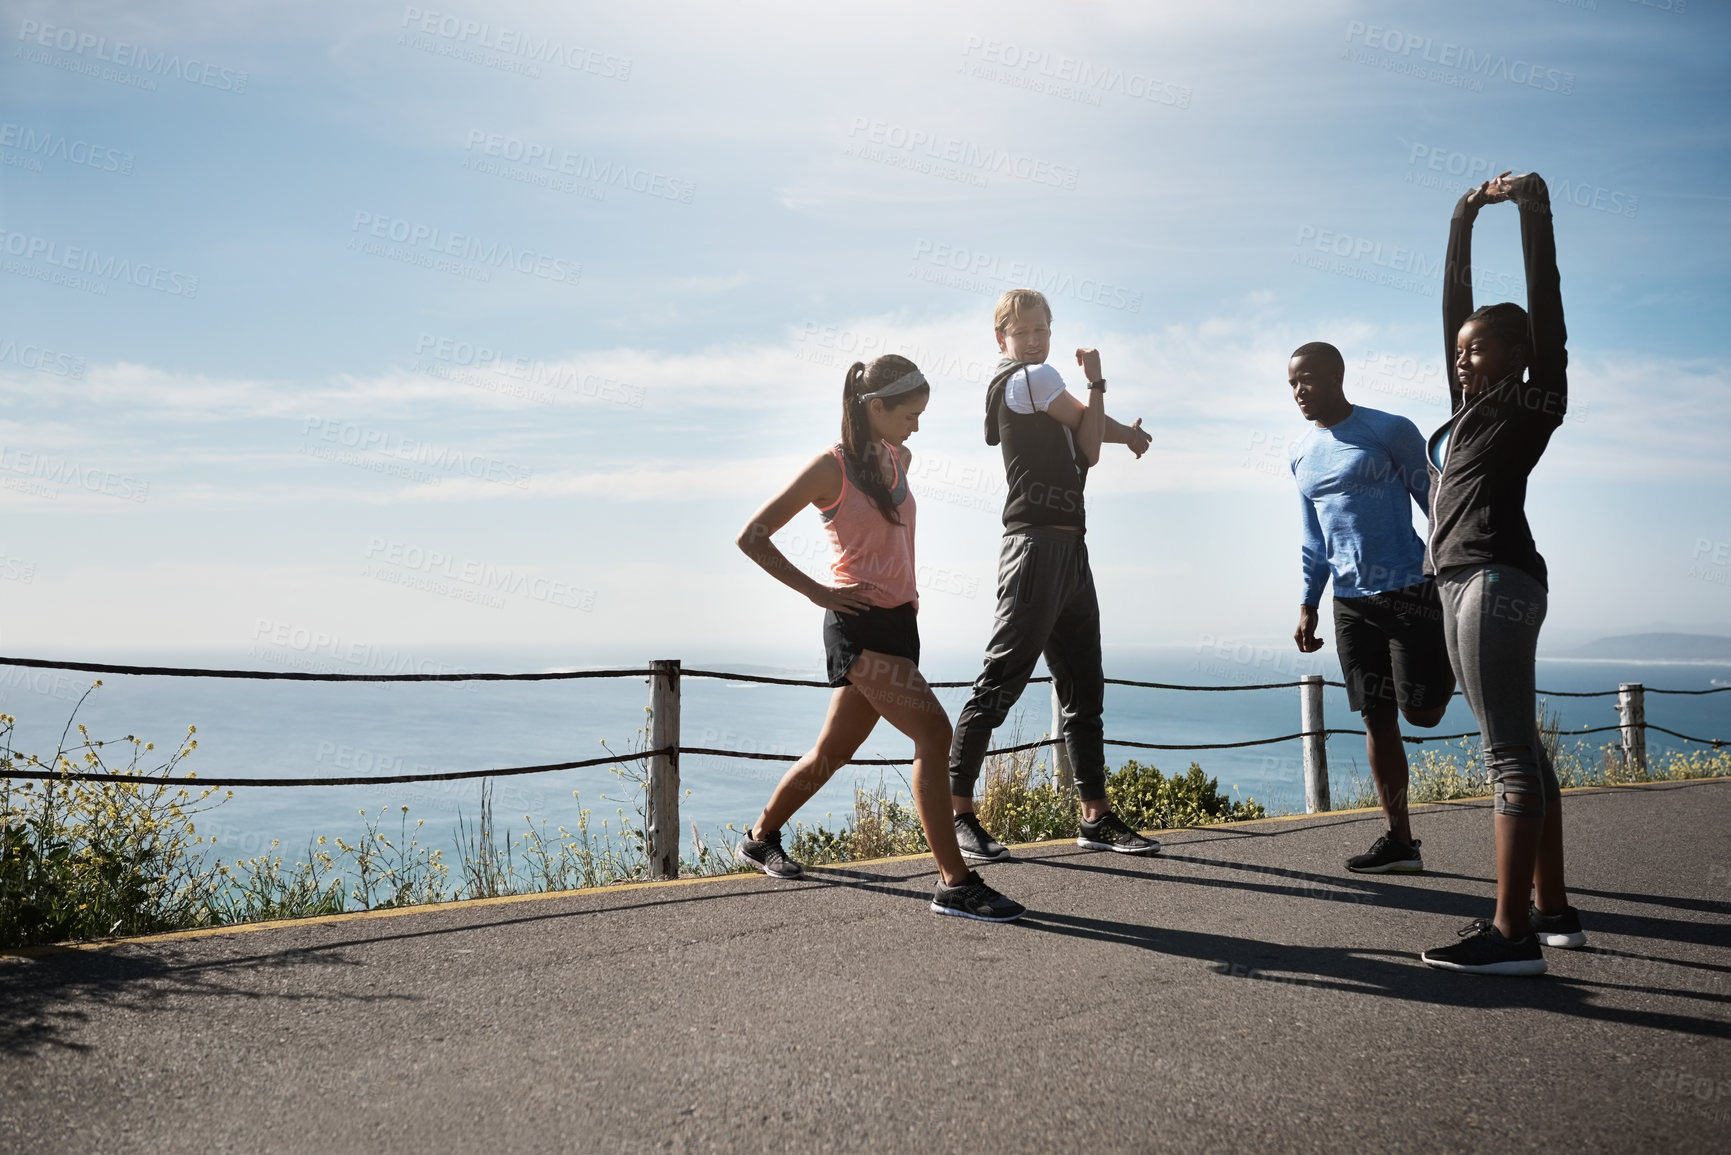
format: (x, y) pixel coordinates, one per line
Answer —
(1019, 801)
(85, 860)
(1148, 800)
(883, 824)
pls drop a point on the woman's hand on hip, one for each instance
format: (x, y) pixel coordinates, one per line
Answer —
(846, 599)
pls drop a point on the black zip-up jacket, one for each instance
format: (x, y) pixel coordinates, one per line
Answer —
(1044, 471)
(1478, 498)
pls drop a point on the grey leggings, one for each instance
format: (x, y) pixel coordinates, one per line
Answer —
(1491, 619)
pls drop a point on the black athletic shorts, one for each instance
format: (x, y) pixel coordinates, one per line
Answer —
(895, 631)
(1392, 651)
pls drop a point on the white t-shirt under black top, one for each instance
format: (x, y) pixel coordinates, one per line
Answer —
(1043, 473)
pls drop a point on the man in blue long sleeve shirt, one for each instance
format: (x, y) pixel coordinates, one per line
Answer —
(1358, 471)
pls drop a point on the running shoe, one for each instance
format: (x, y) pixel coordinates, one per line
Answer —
(1110, 833)
(974, 899)
(975, 842)
(767, 855)
(1558, 930)
(1388, 855)
(1484, 951)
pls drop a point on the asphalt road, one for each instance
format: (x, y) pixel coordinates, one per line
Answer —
(1240, 992)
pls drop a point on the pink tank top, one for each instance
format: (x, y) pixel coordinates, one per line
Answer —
(869, 549)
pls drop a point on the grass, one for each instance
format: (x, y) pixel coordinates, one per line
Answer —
(1021, 801)
(88, 860)
(1456, 770)
(97, 859)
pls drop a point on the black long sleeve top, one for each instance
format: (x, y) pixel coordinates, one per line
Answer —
(1488, 447)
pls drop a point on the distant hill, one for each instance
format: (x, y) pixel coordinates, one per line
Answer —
(1660, 648)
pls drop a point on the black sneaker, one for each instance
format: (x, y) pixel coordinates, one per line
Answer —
(1484, 951)
(1388, 855)
(974, 899)
(975, 842)
(1558, 930)
(767, 855)
(1110, 833)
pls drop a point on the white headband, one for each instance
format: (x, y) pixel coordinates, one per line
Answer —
(906, 383)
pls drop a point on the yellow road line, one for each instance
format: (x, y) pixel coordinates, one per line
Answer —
(622, 887)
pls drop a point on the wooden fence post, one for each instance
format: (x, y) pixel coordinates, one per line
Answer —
(1315, 744)
(661, 810)
(1632, 714)
(1063, 774)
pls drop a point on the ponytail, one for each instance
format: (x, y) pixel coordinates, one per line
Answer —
(858, 447)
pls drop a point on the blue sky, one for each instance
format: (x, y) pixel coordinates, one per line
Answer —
(449, 327)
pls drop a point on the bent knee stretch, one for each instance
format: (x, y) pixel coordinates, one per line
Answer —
(1425, 718)
(1524, 783)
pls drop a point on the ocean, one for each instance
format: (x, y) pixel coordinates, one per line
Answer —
(283, 729)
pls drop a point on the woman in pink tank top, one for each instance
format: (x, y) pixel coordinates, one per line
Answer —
(871, 632)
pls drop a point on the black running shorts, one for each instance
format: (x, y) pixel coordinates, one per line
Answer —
(895, 631)
(1392, 651)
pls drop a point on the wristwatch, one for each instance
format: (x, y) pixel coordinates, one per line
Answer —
(1100, 384)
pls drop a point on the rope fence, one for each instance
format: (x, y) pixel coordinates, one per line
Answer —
(662, 780)
(298, 676)
(373, 780)
(721, 675)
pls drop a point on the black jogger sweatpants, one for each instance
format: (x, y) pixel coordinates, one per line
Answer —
(1046, 605)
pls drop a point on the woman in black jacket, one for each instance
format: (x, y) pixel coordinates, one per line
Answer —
(1509, 385)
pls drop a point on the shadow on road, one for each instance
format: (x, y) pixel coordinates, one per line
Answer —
(45, 996)
(1387, 890)
(45, 1000)
(42, 1000)
(1371, 974)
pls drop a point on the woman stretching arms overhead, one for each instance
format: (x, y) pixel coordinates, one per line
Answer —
(871, 629)
(1509, 384)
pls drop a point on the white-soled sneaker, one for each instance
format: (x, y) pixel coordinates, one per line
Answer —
(974, 899)
(975, 842)
(767, 855)
(1388, 855)
(1110, 832)
(1559, 930)
(1483, 950)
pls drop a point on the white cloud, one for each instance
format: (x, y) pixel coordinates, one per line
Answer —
(1212, 395)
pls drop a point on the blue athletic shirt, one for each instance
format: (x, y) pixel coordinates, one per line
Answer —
(1356, 480)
